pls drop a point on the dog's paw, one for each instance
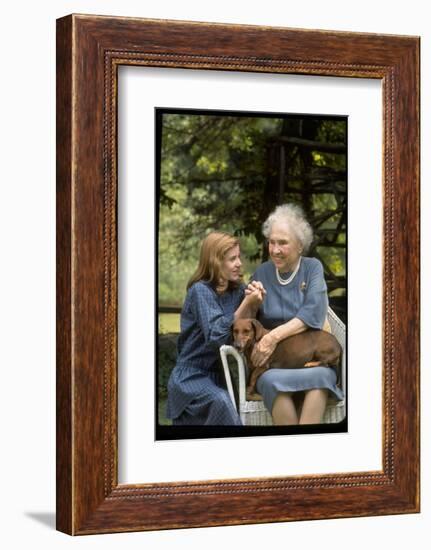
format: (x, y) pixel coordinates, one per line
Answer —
(312, 364)
(253, 397)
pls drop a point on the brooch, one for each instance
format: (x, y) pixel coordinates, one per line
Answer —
(303, 286)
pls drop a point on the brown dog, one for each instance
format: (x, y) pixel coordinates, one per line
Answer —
(311, 348)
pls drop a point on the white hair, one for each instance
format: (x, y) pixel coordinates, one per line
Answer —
(293, 217)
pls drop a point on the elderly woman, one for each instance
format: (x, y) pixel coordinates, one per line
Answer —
(215, 298)
(295, 299)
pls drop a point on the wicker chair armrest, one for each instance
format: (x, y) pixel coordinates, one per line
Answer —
(338, 329)
(224, 352)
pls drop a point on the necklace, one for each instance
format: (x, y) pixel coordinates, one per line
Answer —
(290, 279)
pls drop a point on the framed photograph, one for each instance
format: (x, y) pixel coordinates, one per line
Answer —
(169, 133)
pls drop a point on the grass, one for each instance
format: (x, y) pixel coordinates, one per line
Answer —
(163, 421)
(169, 322)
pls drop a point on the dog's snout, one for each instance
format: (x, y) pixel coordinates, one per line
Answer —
(242, 335)
(240, 343)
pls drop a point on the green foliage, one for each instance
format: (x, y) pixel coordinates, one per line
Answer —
(163, 421)
(166, 360)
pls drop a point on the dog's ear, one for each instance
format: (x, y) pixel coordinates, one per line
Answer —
(259, 331)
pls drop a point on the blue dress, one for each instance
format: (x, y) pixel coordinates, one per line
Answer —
(196, 391)
(305, 298)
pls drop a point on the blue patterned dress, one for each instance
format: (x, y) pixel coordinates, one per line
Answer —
(196, 392)
(305, 298)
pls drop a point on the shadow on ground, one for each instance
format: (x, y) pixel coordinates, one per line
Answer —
(45, 518)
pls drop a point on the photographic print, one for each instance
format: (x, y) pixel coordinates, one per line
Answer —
(251, 256)
(205, 185)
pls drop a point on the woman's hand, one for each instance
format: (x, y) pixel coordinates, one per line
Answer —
(254, 299)
(263, 350)
(255, 294)
(255, 286)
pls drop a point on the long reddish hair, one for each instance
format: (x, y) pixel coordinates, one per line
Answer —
(213, 251)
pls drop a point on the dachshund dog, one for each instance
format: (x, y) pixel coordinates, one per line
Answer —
(311, 348)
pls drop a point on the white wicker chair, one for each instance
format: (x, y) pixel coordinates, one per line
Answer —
(254, 413)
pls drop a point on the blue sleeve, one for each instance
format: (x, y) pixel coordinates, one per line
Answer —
(256, 275)
(262, 273)
(314, 308)
(240, 295)
(212, 320)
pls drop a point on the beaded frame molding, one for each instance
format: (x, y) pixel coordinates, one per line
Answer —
(89, 51)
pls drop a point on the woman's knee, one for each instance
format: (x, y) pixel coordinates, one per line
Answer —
(268, 382)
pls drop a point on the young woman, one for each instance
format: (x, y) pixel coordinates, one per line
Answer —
(215, 298)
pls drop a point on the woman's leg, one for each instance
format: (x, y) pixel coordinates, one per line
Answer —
(314, 406)
(284, 410)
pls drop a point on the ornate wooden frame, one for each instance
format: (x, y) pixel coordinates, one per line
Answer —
(89, 51)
